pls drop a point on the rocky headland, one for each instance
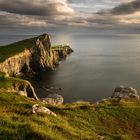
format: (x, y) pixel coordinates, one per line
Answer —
(30, 56)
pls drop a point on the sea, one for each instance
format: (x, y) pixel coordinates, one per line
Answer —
(98, 65)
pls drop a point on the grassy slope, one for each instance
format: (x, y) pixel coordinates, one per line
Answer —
(59, 47)
(74, 121)
(7, 82)
(17, 47)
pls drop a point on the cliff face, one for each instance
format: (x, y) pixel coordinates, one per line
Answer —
(23, 88)
(16, 85)
(43, 57)
(38, 57)
(15, 64)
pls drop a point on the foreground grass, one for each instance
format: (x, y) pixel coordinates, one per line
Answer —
(80, 120)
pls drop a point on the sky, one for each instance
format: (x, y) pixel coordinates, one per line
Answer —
(96, 15)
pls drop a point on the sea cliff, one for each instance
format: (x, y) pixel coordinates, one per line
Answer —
(28, 56)
(36, 55)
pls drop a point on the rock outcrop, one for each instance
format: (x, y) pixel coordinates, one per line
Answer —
(17, 63)
(53, 99)
(23, 88)
(36, 109)
(38, 56)
(125, 92)
(62, 53)
(43, 57)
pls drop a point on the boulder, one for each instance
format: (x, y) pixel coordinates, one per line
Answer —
(125, 92)
(41, 109)
(53, 99)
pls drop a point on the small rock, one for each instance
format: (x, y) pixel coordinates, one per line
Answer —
(125, 92)
(103, 100)
(53, 99)
(100, 138)
(22, 93)
(47, 89)
(52, 88)
(41, 109)
(60, 88)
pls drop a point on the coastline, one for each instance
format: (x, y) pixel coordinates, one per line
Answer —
(48, 118)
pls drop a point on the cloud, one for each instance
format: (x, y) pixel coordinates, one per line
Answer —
(111, 14)
(126, 8)
(9, 20)
(38, 7)
(92, 5)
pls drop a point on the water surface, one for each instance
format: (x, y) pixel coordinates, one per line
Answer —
(98, 65)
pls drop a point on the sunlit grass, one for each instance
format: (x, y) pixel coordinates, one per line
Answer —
(15, 48)
(80, 120)
(10, 50)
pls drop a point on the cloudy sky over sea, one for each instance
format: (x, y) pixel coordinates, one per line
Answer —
(93, 14)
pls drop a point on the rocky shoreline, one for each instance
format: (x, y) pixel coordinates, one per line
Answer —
(119, 93)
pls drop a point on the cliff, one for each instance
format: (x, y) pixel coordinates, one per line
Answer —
(27, 56)
(31, 55)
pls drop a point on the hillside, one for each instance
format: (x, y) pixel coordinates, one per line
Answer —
(75, 121)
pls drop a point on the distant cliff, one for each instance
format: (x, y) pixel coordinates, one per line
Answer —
(35, 55)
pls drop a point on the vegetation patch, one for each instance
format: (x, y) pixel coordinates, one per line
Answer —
(10, 50)
(80, 120)
(59, 47)
(15, 48)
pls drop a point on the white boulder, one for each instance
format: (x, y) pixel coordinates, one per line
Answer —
(41, 109)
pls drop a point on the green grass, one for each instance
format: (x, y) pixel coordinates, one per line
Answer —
(59, 47)
(15, 48)
(18, 47)
(75, 121)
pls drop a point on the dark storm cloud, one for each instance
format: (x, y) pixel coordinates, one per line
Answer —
(31, 8)
(127, 8)
(21, 7)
